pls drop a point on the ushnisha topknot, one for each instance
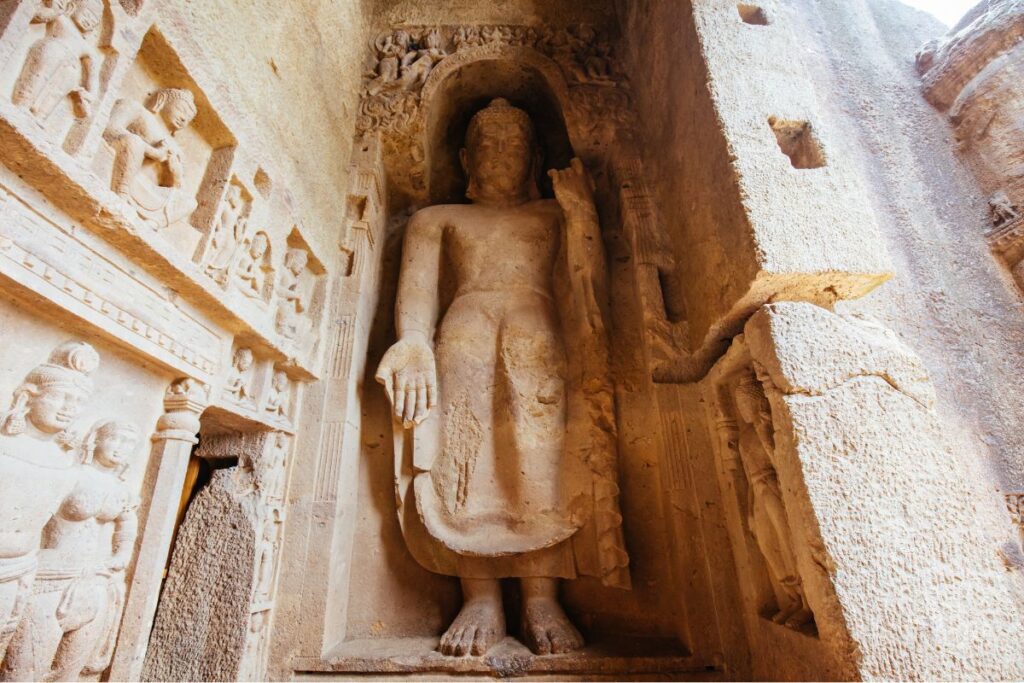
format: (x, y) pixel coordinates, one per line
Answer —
(500, 110)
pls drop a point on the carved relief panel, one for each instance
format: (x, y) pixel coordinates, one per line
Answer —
(59, 59)
(163, 144)
(70, 481)
(132, 210)
(748, 473)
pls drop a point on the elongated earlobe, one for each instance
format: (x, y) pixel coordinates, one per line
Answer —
(13, 422)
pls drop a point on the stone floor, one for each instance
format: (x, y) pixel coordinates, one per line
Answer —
(636, 659)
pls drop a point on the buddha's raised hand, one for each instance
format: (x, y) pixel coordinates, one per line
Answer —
(409, 376)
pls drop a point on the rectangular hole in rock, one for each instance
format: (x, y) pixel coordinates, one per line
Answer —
(752, 14)
(796, 140)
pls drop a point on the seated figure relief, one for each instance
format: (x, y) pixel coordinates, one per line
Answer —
(392, 49)
(237, 387)
(149, 164)
(252, 269)
(512, 472)
(767, 519)
(229, 231)
(64, 62)
(291, 304)
(71, 624)
(38, 469)
(279, 395)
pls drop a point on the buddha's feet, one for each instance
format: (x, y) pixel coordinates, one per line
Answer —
(480, 625)
(546, 628)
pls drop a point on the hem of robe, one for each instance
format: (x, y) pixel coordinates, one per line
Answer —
(557, 561)
(488, 536)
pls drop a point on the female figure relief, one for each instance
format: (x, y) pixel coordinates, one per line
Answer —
(514, 445)
(64, 62)
(37, 471)
(72, 621)
(768, 519)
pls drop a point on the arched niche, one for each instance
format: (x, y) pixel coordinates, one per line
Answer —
(465, 83)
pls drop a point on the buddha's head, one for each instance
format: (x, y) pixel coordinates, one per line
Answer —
(111, 444)
(53, 393)
(177, 106)
(501, 155)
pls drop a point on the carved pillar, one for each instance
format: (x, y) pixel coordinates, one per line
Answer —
(172, 444)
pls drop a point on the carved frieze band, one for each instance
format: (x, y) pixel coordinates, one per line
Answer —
(34, 248)
(406, 56)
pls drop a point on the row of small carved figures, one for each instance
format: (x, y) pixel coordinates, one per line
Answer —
(238, 387)
(142, 139)
(70, 518)
(405, 57)
(239, 258)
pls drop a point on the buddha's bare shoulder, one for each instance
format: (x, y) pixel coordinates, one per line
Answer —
(439, 214)
(446, 214)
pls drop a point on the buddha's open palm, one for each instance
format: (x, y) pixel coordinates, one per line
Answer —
(409, 376)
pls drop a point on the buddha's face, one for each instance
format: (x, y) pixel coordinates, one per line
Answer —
(178, 113)
(55, 406)
(115, 446)
(499, 157)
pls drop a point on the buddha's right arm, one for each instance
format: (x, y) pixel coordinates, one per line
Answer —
(416, 308)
